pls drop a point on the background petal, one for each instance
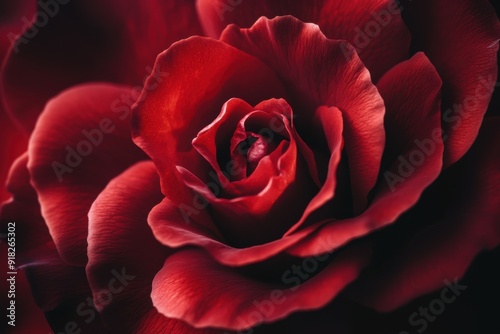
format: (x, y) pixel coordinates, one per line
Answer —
(374, 27)
(461, 40)
(80, 142)
(75, 42)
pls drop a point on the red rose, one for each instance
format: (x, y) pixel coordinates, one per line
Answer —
(275, 166)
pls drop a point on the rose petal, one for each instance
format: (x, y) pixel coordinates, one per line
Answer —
(375, 28)
(154, 322)
(174, 229)
(170, 117)
(24, 210)
(330, 121)
(318, 73)
(417, 98)
(216, 135)
(236, 302)
(62, 292)
(58, 289)
(79, 143)
(119, 237)
(14, 143)
(461, 40)
(265, 216)
(441, 254)
(230, 179)
(123, 254)
(77, 42)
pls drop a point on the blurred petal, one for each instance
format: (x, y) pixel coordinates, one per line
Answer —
(445, 251)
(80, 142)
(80, 41)
(460, 37)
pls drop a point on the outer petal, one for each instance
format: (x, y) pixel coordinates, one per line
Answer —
(414, 161)
(82, 41)
(203, 75)
(461, 40)
(80, 143)
(445, 251)
(29, 317)
(24, 210)
(60, 290)
(237, 302)
(318, 73)
(14, 143)
(375, 27)
(120, 241)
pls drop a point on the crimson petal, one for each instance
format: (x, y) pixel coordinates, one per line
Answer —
(460, 37)
(79, 143)
(121, 245)
(236, 302)
(374, 27)
(441, 254)
(400, 186)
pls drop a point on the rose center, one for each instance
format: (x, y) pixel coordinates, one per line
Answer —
(256, 137)
(254, 148)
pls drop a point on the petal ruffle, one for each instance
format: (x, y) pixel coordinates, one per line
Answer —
(374, 27)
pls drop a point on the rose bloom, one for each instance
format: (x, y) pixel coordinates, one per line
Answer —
(281, 167)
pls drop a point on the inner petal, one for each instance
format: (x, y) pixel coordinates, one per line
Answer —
(258, 150)
(256, 137)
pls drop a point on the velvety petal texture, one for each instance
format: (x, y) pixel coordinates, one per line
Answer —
(263, 216)
(124, 256)
(173, 229)
(80, 142)
(59, 289)
(236, 302)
